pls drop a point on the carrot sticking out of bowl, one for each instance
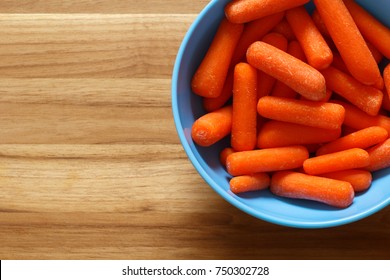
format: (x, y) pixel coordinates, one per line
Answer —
(212, 127)
(366, 98)
(292, 71)
(372, 29)
(241, 11)
(279, 134)
(247, 183)
(266, 160)
(379, 156)
(337, 161)
(348, 40)
(359, 179)
(281, 89)
(311, 113)
(254, 31)
(316, 49)
(243, 135)
(363, 139)
(298, 185)
(210, 76)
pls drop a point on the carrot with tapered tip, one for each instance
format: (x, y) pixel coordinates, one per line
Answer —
(363, 139)
(343, 160)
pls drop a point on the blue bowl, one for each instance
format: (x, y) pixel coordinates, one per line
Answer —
(187, 107)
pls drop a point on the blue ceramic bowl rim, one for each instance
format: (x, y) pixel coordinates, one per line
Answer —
(211, 182)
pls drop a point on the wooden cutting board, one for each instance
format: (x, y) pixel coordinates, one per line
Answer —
(90, 163)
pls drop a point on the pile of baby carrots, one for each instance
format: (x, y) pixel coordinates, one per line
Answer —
(300, 95)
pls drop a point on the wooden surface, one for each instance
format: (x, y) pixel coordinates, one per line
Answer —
(90, 163)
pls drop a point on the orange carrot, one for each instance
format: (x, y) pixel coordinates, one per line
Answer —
(348, 40)
(310, 113)
(210, 76)
(279, 134)
(247, 183)
(243, 135)
(379, 156)
(284, 28)
(343, 160)
(296, 74)
(224, 154)
(212, 127)
(357, 119)
(302, 186)
(281, 89)
(241, 11)
(363, 139)
(254, 31)
(319, 23)
(212, 104)
(266, 82)
(317, 51)
(366, 98)
(386, 79)
(358, 178)
(266, 160)
(386, 100)
(372, 29)
(327, 97)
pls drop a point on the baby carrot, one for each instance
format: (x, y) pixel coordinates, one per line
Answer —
(247, 183)
(348, 40)
(358, 178)
(302, 186)
(379, 156)
(212, 127)
(317, 51)
(243, 135)
(241, 11)
(363, 139)
(343, 160)
(266, 82)
(224, 154)
(327, 97)
(296, 74)
(254, 31)
(373, 30)
(210, 76)
(266, 160)
(310, 113)
(357, 119)
(366, 98)
(279, 134)
(212, 104)
(281, 89)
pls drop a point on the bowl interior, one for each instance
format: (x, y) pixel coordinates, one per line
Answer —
(187, 108)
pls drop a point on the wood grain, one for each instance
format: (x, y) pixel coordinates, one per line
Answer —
(90, 163)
